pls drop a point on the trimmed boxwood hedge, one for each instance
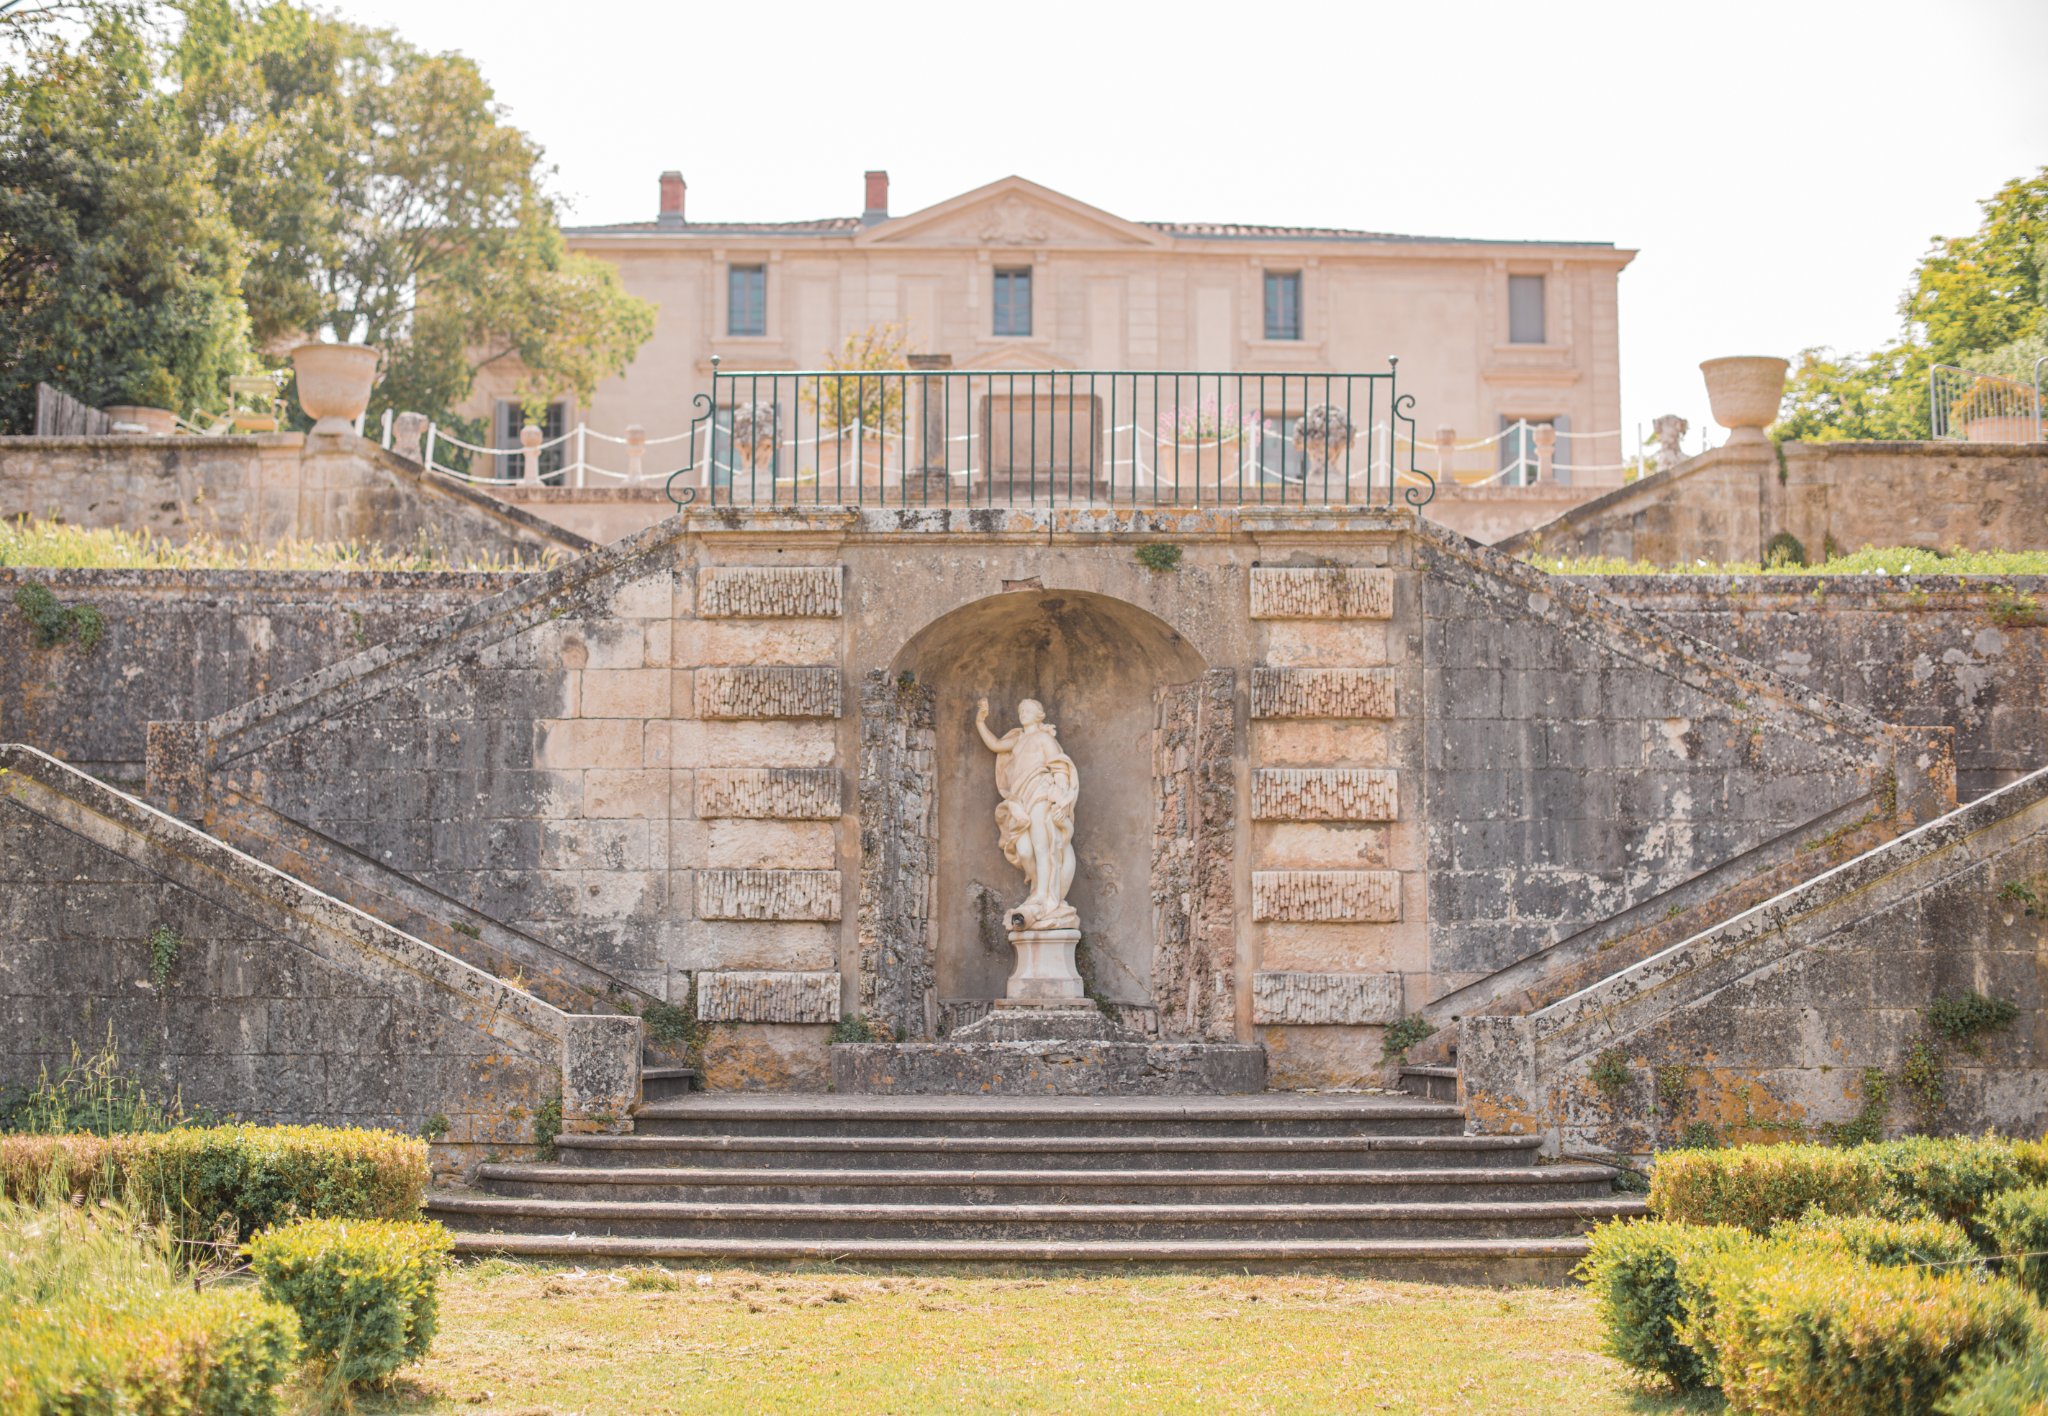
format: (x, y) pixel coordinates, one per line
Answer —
(1755, 1187)
(221, 1352)
(207, 1182)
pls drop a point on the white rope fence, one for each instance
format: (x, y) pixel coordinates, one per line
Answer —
(1132, 455)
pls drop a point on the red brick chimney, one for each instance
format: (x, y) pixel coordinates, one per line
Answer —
(877, 208)
(672, 189)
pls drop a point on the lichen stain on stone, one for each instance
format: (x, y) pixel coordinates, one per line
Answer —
(1506, 1117)
(1739, 1107)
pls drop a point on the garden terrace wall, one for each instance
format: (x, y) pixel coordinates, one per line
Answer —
(182, 645)
(262, 489)
(275, 1003)
(1728, 503)
(1970, 653)
(1333, 764)
(1762, 1028)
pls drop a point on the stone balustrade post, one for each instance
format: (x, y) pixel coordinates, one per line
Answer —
(636, 450)
(1546, 453)
(529, 443)
(408, 431)
(1446, 458)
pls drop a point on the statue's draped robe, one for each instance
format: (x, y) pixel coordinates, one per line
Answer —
(1035, 776)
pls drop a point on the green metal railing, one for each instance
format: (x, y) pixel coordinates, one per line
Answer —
(1002, 438)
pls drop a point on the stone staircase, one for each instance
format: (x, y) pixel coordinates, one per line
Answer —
(1385, 1182)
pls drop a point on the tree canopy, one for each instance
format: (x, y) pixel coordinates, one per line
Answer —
(1979, 301)
(372, 192)
(119, 268)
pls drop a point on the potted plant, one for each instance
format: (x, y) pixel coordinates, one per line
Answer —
(1744, 392)
(1199, 445)
(756, 433)
(334, 383)
(146, 404)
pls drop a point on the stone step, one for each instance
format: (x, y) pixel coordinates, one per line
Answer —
(1431, 1083)
(1124, 1117)
(1067, 1187)
(1050, 1152)
(1037, 1222)
(1479, 1261)
(663, 1083)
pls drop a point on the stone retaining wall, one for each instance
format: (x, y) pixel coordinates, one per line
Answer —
(266, 488)
(1728, 503)
(186, 645)
(270, 1001)
(1792, 1016)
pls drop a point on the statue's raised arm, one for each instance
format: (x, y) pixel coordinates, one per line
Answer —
(995, 744)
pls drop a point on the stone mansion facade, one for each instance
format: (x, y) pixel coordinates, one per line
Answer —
(1014, 275)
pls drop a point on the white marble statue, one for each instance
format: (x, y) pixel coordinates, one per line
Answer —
(1039, 785)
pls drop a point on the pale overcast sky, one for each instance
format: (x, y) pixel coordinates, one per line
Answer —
(1779, 166)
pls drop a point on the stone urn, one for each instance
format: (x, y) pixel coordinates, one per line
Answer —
(334, 383)
(135, 419)
(1744, 392)
(1324, 435)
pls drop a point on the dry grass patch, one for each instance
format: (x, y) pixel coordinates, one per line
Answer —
(519, 1338)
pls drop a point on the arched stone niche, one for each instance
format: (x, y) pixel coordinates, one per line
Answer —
(1152, 730)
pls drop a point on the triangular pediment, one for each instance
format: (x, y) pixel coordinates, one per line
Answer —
(1009, 214)
(1023, 359)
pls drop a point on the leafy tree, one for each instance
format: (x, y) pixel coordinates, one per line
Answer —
(875, 403)
(1980, 301)
(119, 271)
(385, 201)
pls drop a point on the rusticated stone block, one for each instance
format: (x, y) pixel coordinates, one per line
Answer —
(1327, 896)
(1322, 693)
(1324, 794)
(769, 793)
(768, 691)
(1321, 592)
(768, 592)
(768, 894)
(1307, 998)
(759, 996)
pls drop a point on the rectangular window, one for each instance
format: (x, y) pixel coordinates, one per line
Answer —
(746, 300)
(1525, 309)
(1283, 304)
(1013, 302)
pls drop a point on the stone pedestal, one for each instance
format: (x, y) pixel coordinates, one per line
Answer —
(1045, 969)
(1010, 1021)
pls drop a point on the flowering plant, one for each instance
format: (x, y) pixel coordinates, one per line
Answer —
(1204, 421)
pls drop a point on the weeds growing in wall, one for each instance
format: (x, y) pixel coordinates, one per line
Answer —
(53, 622)
(547, 1127)
(1159, 555)
(1888, 560)
(1398, 1038)
(164, 945)
(57, 546)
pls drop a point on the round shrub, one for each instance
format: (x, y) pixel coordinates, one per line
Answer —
(2016, 1223)
(1636, 1271)
(2014, 1386)
(1755, 1187)
(364, 1289)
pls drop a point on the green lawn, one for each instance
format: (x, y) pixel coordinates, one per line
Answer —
(529, 1339)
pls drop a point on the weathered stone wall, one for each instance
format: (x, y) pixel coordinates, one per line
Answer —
(183, 645)
(1970, 654)
(1410, 761)
(1768, 1026)
(1582, 759)
(264, 489)
(1729, 502)
(277, 1004)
